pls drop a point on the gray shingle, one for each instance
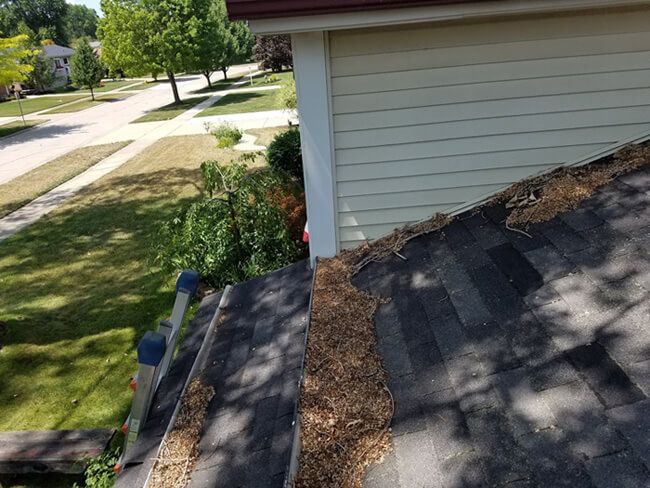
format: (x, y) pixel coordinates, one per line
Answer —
(633, 422)
(620, 470)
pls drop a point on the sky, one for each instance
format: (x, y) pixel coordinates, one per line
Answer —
(94, 4)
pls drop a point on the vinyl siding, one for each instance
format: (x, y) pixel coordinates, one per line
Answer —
(430, 117)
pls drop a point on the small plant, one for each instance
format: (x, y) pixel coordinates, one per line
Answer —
(99, 473)
(285, 154)
(227, 135)
(271, 79)
(287, 94)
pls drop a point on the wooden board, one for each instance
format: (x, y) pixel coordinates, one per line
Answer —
(51, 451)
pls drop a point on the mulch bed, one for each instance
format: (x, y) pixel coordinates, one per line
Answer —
(180, 451)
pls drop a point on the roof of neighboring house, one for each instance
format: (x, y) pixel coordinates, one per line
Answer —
(521, 361)
(56, 51)
(258, 9)
(254, 364)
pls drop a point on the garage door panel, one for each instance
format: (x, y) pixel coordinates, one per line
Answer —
(559, 104)
(482, 73)
(497, 53)
(464, 93)
(495, 126)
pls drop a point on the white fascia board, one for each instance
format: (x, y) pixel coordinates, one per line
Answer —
(433, 13)
(311, 69)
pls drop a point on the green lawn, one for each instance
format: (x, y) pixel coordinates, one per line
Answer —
(216, 86)
(35, 104)
(265, 79)
(33, 184)
(170, 111)
(108, 86)
(84, 104)
(78, 291)
(235, 103)
(17, 126)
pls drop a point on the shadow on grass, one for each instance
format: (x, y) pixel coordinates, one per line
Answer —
(77, 294)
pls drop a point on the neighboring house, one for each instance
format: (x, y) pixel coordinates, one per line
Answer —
(413, 107)
(60, 56)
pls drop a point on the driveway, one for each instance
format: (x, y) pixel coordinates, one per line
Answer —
(65, 132)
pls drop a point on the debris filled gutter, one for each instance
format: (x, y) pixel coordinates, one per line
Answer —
(196, 368)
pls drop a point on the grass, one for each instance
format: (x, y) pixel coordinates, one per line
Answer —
(170, 111)
(108, 86)
(78, 292)
(262, 79)
(35, 183)
(216, 86)
(265, 136)
(85, 104)
(235, 103)
(17, 126)
(30, 105)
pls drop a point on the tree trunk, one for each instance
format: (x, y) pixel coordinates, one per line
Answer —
(172, 81)
(225, 72)
(207, 77)
(92, 94)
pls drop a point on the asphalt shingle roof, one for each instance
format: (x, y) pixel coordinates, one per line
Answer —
(254, 364)
(516, 361)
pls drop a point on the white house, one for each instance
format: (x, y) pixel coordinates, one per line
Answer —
(412, 107)
(60, 56)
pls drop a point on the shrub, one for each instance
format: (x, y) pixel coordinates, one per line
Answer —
(227, 135)
(288, 97)
(99, 472)
(237, 231)
(273, 52)
(285, 154)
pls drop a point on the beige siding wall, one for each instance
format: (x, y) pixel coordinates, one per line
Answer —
(430, 117)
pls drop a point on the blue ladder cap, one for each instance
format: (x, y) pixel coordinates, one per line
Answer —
(188, 281)
(151, 348)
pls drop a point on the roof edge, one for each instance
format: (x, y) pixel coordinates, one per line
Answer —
(264, 9)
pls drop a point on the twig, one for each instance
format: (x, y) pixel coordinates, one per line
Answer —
(518, 230)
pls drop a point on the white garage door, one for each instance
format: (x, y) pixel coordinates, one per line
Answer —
(428, 118)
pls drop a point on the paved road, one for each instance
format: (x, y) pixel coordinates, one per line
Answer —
(30, 149)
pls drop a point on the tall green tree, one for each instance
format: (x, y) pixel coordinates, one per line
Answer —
(80, 21)
(221, 43)
(13, 53)
(85, 68)
(35, 14)
(140, 36)
(42, 74)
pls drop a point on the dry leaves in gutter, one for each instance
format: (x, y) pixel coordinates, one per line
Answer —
(179, 453)
(544, 197)
(345, 406)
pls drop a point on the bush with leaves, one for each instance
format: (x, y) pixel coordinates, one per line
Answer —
(273, 52)
(227, 135)
(236, 231)
(99, 473)
(285, 154)
(287, 94)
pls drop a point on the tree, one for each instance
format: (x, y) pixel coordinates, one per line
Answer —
(80, 21)
(36, 14)
(13, 52)
(221, 43)
(140, 36)
(42, 75)
(273, 52)
(85, 68)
